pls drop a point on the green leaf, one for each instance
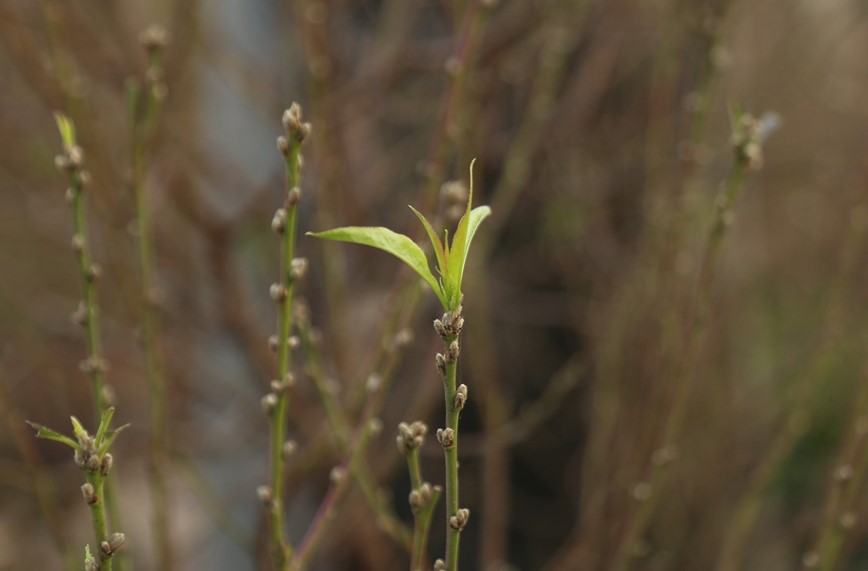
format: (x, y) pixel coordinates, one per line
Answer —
(458, 257)
(439, 252)
(467, 227)
(104, 424)
(110, 437)
(66, 128)
(88, 557)
(78, 429)
(384, 239)
(49, 434)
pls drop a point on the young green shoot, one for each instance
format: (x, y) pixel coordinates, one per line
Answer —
(93, 457)
(450, 258)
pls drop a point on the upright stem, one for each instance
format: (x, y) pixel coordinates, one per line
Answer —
(285, 222)
(142, 134)
(423, 497)
(95, 364)
(747, 152)
(97, 512)
(453, 535)
(449, 328)
(87, 315)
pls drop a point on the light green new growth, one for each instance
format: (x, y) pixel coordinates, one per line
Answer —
(450, 258)
(93, 457)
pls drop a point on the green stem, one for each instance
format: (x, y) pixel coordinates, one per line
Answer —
(422, 529)
(280, 546)
(415, 469)
(90, 319)
(453, 536)
(94, 345)
(422, 518)
(142, 133)
(97, 512)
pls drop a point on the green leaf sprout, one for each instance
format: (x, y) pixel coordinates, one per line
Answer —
(450, 257)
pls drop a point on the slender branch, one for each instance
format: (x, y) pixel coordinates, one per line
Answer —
(368, 427)
(340, 428)
(844, 490)
(143, 124)
(97, 513)
(449, 328)
(423, 497)
(87, 315)
(793, 426)
(747, 139)
(276, 402)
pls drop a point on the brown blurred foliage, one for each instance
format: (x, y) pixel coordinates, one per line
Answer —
(602, 133)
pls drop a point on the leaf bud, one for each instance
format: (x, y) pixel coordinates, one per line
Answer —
(460, 396)
(288, 449)
(269, 402)
(89, 494)
(106, 464)
(460, 519)
(278, 222)
(298, 268)
(446, 437)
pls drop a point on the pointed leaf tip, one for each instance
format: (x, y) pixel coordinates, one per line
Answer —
(43, 431)
(66, 128)
(439, 251)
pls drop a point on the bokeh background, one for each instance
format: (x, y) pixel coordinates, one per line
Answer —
(602, 135)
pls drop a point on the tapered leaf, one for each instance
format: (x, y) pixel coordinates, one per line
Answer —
(78, 429)
(458, 257)
(460, 247)
(396, 244)
(49, 434)
(110, 437)
(104, 424)
(439, 252)
(66, 128)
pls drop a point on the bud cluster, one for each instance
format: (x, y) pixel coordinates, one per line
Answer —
(446, 437)
(71, 162)
(420, 498)
(87, 458)
(411, 436)
(460, 519)
(298, 268)
(460, 396)
(295, 129)
(749, 136)
(266, 496)
(279, 386)
(113, 545)
(450, 324)
(154, 38)
(93, 364)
